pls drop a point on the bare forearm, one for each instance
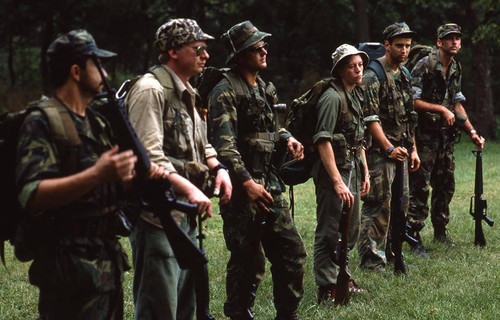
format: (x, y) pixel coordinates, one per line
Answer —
(375, 129)
(327, 156)
(421, 106)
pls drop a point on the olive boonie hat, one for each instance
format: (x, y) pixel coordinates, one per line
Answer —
(241, 36)
(74, 43)
(449, 28)
(345, 51)
(177, 32)
(398, 29)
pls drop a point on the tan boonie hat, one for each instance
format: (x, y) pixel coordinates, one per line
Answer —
(449, 28)
(241, 36)
(177, 32)
(75, 43)
(344, 51)
(398, 29)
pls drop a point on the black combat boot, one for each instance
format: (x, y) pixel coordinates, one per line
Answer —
(287, 316)
(326, 293)
(418, 248)
(441, 235)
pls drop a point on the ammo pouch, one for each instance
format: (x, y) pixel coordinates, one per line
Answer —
(339, 149)
(260, 154)
(430, 120)
(199, 175)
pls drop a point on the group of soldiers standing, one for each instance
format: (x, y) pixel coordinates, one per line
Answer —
(79, 268)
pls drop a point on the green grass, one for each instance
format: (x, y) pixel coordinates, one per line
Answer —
(455, 283)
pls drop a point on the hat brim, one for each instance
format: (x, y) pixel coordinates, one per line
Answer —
(451, 32)
(253, 39)
(362, 54)
(404, 34)
(104, 54)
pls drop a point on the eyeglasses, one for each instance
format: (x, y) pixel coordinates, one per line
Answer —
(259, 49)
(199, 50)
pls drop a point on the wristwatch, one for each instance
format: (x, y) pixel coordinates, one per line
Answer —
(389, 151)
(218, 167)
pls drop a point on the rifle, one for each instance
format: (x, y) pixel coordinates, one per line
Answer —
(158, 196)
(478, 206)
(398, 229)
(342, 287)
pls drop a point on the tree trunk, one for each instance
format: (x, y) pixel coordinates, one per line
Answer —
(362, 23)
(12, 72)
(48, 35)
(483, 95)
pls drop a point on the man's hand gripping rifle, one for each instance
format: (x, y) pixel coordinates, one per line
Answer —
(158, 196)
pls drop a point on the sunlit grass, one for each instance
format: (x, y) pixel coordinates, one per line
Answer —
(455, 283)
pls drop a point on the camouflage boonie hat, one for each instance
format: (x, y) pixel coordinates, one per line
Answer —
(177, 32)
(345, 51)
(398, 29)
(242, 36)
(449, 28)
(74, 43)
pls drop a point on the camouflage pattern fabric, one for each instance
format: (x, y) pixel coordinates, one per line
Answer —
(376, 210)
(396, 122)
(233, 125)
(177, 32)
(398, 29)
(73, 43)
(448, 28)
(241, 36)
(396, 117)
(80, 263)
(436, 145)
(329, 206)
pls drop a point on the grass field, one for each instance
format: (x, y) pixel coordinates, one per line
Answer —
(455, 283)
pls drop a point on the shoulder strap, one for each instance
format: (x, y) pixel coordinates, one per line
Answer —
(236, 83)
(165, 80)
(61, 123)
(406, 72)
(377, 67)
(344, 105)
(433, 58)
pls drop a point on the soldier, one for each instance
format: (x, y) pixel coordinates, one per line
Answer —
(73, 191)
(390, 121)
(162, 109)
(331, 173)
(243, 129)
(438, 96)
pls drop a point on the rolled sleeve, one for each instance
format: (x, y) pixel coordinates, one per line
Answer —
(459, 97)
(328, 109)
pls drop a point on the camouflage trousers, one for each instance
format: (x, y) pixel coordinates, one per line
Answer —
(80, 278)
(246, 237)
(328, 213)
(437, 166)
(376, 209)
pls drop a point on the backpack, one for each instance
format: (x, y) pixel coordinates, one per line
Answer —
(63, 132)
(300, 121)
(377, 50)
(420, 51)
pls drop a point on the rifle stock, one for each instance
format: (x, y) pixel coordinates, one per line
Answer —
(478, 206)
(342, 296)
(158, 196)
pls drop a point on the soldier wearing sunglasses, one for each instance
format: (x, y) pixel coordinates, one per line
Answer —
(162, 109)
(243, 130)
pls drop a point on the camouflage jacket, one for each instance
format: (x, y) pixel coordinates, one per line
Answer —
(39, 159)
(431, 85)
(243, 129)
(392, 108)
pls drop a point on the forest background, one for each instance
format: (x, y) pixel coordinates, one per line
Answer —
(305, 32)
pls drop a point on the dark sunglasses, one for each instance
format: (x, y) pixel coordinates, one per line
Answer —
(199, 50)
(259, 49)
